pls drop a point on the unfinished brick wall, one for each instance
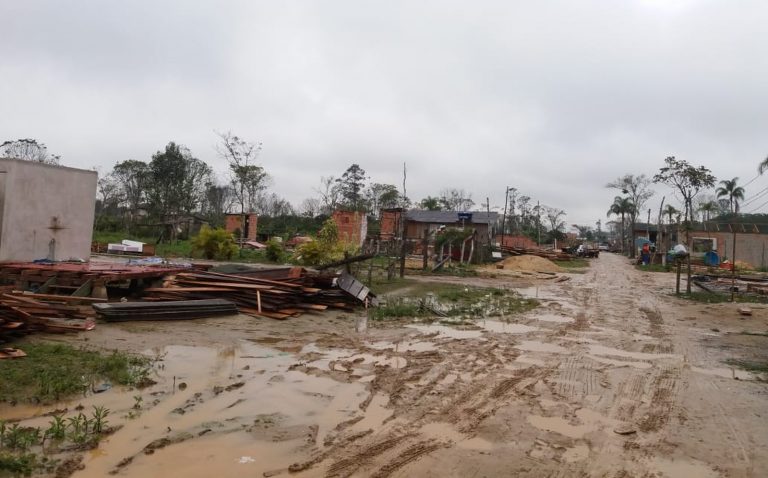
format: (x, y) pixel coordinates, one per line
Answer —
(233, 223)
(352, 226)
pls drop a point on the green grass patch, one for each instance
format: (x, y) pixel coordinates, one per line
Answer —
(389, 286)
(654, 268)
(748, 365)
(716, 298)
(430, 299)
(21, 464)
(53, 371)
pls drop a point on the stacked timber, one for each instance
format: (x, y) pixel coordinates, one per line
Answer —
(169, 310)
(22, 313)
(288, 292)
(551, 255)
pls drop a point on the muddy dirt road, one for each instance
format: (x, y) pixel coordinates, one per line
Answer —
(609, 377)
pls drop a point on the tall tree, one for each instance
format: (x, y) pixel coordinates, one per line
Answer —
(454, 199)
(707, 208)
(176, 182)
(430, 203)
(132, 177)
(637, 189)
(380, 195)
(622, 206)
(247, 178)
(732, 191)
(688, 181)
(29, 150)
(351, 185)
(556, 223)
(217, 201)
(330, 194)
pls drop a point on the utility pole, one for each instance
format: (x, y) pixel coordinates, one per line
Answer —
(538, 223)
(504, 218)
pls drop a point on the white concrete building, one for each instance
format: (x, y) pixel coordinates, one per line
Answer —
(46, 211)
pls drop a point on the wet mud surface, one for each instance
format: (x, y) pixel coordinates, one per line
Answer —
(608, 377)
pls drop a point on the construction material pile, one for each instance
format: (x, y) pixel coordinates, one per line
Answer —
(171, 310)
(528, 263)
(22, 313)
(546, 254)
(287, 292)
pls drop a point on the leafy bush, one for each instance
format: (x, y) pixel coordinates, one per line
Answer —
(214, 243)
(275, 251)
(325, 248)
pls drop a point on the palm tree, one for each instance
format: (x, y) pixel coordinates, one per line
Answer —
(762, 167)
(734, 193)
(670, 211)
(708, 208)
(621, 207)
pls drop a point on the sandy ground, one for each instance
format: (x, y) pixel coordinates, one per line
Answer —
(609, 377)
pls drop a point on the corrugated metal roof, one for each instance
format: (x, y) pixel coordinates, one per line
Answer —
(450, 217)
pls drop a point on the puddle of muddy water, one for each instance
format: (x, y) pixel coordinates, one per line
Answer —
(602, 350)
(403, 346)
(588, 422)
(237, 439)
(445, 331)
(505, 327)
(536, 346)
(560, 319)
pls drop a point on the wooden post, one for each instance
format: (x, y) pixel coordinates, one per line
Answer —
(733, 267)
(258, 301)
(402, 259)
(461, 259)
(425, 249)
(677, 287)
(471, 249)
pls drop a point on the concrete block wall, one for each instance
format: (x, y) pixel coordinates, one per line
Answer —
(46, 211)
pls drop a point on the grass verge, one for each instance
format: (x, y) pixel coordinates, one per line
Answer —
(715, 298)
(654, 268)
(54, 371)
(427, 299)
(748, 365)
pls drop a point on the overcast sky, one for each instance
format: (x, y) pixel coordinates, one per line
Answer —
(555, 98)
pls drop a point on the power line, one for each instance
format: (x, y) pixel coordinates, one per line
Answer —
(758, 207)
(757, 196)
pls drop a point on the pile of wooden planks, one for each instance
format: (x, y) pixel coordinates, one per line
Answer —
(287, 292)
(169, 310)
(551, 255)
(22, 313)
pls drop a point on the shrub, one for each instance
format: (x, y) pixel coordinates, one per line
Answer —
(325, 248)
(214, 243)
(275, 251)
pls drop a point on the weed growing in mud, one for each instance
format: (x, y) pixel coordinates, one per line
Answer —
(54, 371)
(654, 268)
(18, 464)
(17, 443)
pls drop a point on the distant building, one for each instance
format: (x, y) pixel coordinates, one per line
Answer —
(352, 226)
(233, 223)
(46, 211)
(417, 222)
